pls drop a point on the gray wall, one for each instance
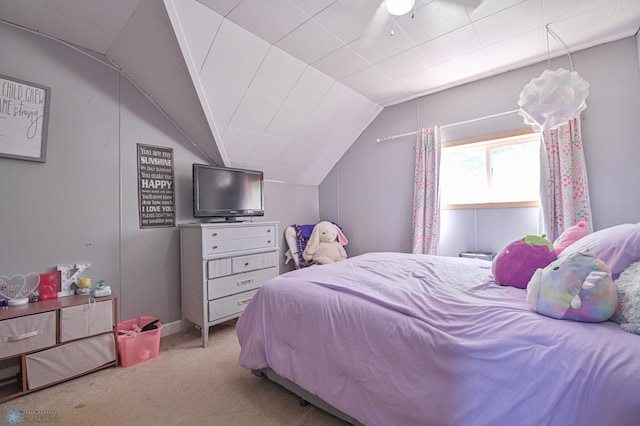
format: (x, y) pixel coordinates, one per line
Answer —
(81, 206)
(372, 197)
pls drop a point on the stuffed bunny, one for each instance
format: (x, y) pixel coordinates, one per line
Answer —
(322, 246)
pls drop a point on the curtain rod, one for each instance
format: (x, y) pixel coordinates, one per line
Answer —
(473, 120)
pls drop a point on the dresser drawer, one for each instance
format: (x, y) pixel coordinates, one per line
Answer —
(227, 306)
(226, 246)
(239, 264)
(234, 232)
(70, 360)
(231, 284)
(225, 240)
(86, 320)
(28, 333)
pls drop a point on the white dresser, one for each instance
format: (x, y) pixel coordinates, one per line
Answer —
(222, 266)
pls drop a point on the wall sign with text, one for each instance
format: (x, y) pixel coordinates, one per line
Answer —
(24, 118)
(156, 196)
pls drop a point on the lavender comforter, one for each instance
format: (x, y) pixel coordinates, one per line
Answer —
(401, 339)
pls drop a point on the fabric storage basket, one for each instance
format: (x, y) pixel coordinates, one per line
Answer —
(139, 347)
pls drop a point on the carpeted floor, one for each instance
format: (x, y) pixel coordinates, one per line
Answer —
(185, 385)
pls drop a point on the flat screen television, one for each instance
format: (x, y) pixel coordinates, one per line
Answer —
(229, 193)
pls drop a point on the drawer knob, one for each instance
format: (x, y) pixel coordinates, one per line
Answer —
(215, 234)
(244, 302)
(246, 264)
(245, 282)
(214, 247)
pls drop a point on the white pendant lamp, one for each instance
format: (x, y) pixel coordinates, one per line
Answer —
(399, 7)
(555, 97)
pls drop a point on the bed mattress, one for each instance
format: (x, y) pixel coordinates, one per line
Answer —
(403, 339)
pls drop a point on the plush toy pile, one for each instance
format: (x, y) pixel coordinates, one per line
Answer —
(577, 287)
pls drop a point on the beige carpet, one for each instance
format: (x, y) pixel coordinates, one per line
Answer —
(185, 385)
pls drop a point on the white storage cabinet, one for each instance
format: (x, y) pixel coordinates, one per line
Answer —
(222, 266)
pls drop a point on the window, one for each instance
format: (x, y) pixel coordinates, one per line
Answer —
(491, 172)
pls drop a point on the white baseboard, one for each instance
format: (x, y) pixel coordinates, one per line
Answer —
(171, 328)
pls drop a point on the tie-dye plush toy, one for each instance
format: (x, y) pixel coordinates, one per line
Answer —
(578, 287)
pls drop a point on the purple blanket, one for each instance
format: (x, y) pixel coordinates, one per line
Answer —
(400, 339)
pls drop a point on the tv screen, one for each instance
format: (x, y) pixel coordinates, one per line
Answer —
(227, 192)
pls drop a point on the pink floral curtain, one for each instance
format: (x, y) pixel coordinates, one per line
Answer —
(564, 187)
(426, 192)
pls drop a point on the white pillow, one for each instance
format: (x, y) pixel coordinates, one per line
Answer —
(618, 246)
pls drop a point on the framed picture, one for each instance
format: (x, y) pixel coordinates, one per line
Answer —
(156, 195)
(24, 118)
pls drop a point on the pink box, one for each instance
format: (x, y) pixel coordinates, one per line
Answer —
(138, 347)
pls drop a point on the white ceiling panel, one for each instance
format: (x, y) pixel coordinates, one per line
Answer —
(626, 19)
(235, 54)
(387, 94)
(597, 20)
(28, 15)
(309, 42)
(290, 158)
(107, 17)
(451, 45)
(287, 121)
(255, 112)
(277, 74)
(227, 97)
(338, 99)
(239, 143)
(223, 7)
(268, 150)
(349, 19)
(270, 20)
(511, 22)
(61, 27)
(312, 7)
(402, 64)
(379, 45)
(313, 130)
(487, 8)
(199, 24)
(341, 63)
(309, 89)
(288, 85)
(517, 49)
(366, 79)
(555, 11)
(434, 20)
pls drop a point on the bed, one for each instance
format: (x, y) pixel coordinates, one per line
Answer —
(404, 339)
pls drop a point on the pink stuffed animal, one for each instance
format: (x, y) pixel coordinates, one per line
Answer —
(570, 236)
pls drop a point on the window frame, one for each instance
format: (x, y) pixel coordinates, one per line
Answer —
(512, 137)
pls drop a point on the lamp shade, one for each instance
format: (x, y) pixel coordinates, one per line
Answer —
(553, 99)
(399, 7)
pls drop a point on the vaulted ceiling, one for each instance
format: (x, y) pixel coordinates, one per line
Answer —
(286, 86)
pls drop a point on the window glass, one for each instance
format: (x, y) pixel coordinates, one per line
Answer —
(490, 171)
(463, 172)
